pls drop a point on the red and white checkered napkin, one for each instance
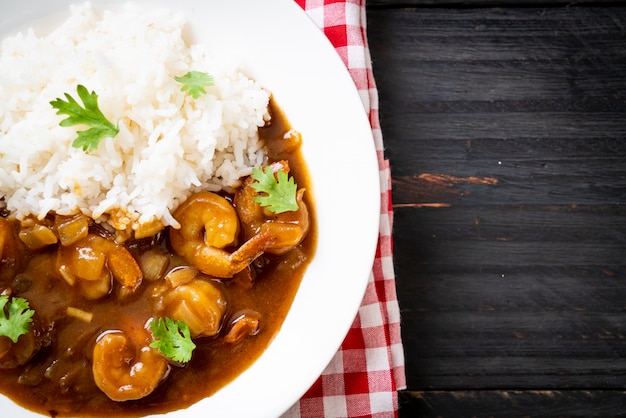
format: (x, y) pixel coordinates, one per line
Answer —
(363, 377)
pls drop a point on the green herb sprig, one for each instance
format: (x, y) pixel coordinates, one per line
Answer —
(279, 190)
(172, 339)
(99, 126)
(16, 319)
(194, 83)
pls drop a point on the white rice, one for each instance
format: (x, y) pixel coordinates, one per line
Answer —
(169, 144)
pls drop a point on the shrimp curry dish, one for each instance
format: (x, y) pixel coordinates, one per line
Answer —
(96, 321)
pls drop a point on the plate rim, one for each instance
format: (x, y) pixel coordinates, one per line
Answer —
(365, 162)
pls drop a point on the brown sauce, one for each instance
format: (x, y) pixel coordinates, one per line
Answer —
(58, 380)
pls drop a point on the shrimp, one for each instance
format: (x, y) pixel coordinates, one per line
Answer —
(288, 228)
(245, 324)
(125, 367)
(210, 224)
(9, 251)
(91, 263)
(5, 235)
(185, 296)
(16, 354)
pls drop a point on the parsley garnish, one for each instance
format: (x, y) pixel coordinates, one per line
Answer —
(90, 115)
(172, 339)
(194, 83)
(279, 190)
(18, 320)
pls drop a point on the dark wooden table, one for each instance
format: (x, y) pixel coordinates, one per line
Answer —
(505, 125)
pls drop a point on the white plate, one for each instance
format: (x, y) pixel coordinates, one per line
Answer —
(282, 48)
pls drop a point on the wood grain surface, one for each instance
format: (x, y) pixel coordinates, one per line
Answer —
(505, 126)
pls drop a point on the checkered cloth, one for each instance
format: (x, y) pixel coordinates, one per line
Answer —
(363, 377)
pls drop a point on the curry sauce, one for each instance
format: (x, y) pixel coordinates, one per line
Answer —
(58, 379)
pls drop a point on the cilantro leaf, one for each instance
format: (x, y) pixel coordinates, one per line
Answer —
(172, 339)
(279, 190)
(99, 126)
(194, 83)
(18, 320)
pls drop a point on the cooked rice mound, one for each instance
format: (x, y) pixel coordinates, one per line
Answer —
(169, 145)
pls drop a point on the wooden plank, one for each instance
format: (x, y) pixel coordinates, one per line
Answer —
(554, 225)
(471, 236)
(531, 303)
(489, 3)
(505, 131)
(511, 181)
(526, 77)
(544, 403)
